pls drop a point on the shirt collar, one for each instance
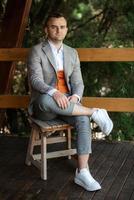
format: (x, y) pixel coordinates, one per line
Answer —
(54, 49)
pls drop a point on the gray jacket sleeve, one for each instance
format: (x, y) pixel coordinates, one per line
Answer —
(76, 80)
(35, 74)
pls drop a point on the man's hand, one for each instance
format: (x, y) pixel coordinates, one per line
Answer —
(73, 99)
(61, 99)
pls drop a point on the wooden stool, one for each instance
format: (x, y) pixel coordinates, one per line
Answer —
(41, 130)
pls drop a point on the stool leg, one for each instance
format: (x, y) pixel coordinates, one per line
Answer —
(43, 157)
(30, 146)
(69, 140)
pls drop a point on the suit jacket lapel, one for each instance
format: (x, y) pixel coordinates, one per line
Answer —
(47, 50)
(66, 61)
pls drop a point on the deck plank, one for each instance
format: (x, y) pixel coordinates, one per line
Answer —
(110, 169)
(128, 189)
(71, 190)
(112, 164)
(102, 168)
(132, 196)
(124, 171)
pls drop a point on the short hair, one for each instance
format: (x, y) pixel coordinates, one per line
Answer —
(54, 15)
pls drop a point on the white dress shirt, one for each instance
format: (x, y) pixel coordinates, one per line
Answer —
(59, 60)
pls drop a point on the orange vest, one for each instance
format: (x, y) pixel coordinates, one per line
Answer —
(61, 84)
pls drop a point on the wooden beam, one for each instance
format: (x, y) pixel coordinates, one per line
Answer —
(13, 54)
(86, 55)
(106, 54)
(111, 104)
(14, 101)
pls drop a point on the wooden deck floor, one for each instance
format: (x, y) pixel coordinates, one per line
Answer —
(112, 164)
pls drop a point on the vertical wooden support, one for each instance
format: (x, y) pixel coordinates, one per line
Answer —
(11, 35)
(30, 149)
(69, 140)
(43, 157)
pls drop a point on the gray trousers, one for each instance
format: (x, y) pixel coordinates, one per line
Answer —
(45, 108)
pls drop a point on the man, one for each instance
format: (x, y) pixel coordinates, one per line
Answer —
(56, 90)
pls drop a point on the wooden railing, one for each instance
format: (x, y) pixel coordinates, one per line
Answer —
(85, 54)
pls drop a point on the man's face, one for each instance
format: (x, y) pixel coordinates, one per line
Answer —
(56, 29)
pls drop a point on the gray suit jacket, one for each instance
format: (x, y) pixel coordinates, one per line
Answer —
(42, 71)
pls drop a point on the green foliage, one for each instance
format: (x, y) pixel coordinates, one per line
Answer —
(123, 129)
(92, 23)
(108, 79)
(20, 82)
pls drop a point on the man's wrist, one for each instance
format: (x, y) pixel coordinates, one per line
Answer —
(78, 97)
(51, 92)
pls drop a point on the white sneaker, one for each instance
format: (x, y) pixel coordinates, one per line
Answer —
(101, 118)
(85, 180)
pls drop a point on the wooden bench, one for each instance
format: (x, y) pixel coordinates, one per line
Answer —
(40, 132)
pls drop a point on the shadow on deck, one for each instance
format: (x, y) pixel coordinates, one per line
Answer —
(112, 164)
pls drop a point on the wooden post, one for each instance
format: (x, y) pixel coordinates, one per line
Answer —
(11, 35)
(69, 140)
(43, 157)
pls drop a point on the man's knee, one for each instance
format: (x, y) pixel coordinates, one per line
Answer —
(44, 102)
(41, 108)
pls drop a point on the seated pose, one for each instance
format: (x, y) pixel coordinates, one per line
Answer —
(56, 91)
